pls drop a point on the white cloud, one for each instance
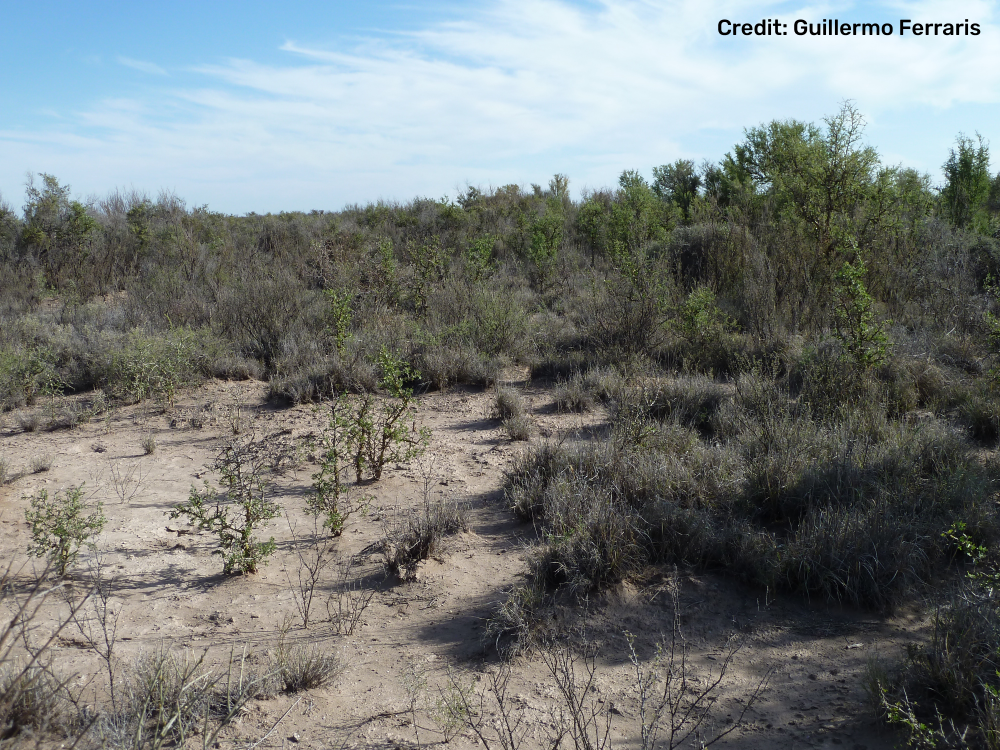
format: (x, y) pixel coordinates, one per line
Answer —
(142, 66)
(512, 93)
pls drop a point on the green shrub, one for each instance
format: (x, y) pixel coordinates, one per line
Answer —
(25, 374)
(382, 430)
(331, 496)
(699, 319)
(479, 257)
(235, 515)
(143, 366)
(864, 339)
(61, 525)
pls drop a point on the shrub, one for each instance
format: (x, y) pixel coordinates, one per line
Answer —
(849, 509)
(444, 365)
(143, 366)
(949, 687)
(61, 525)
(383, 430)
(864, 340)
(236, 515)
(29, 421)
(507, 404)
(690, 401)
(25, 374)
(305, 667)
(408, 540)
(331, 497)
(573, 395)
(517, 427)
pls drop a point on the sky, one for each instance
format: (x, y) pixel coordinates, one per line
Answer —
(266, 107)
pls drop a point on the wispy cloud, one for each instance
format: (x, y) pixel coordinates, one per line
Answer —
(513, 92)
(142, 66)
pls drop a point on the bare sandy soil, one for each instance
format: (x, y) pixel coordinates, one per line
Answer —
(169, 591)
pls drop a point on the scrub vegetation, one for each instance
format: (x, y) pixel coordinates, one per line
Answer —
(797, 347)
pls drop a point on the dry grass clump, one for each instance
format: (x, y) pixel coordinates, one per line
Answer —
(29, 421)
(573, 395)
(408, 539)
(508, 406)
(301, 668)
(32, 702)
(507, 403)
(517, 428)
(36, 703)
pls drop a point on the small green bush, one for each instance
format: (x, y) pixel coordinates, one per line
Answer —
(25, 374)
(61, 525)
(383, 430)
(235, 515)
(143, 366)
(331, 496)
(864, 339)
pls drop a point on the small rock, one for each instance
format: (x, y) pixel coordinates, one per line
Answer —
(294, 738)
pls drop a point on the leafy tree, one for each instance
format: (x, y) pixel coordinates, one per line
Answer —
(56, 229)
(967, 189)
(479, 256)
(678, 183)
(825, 182)
(914, 197)
(592, 222)
(546, 238)
(638, 218)
(559, 189)
(10, 229)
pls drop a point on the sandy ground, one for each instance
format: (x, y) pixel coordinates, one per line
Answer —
(168, 590)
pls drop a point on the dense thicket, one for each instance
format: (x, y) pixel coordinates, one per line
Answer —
(700, 269)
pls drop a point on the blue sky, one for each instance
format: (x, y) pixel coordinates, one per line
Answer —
(255, 106)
